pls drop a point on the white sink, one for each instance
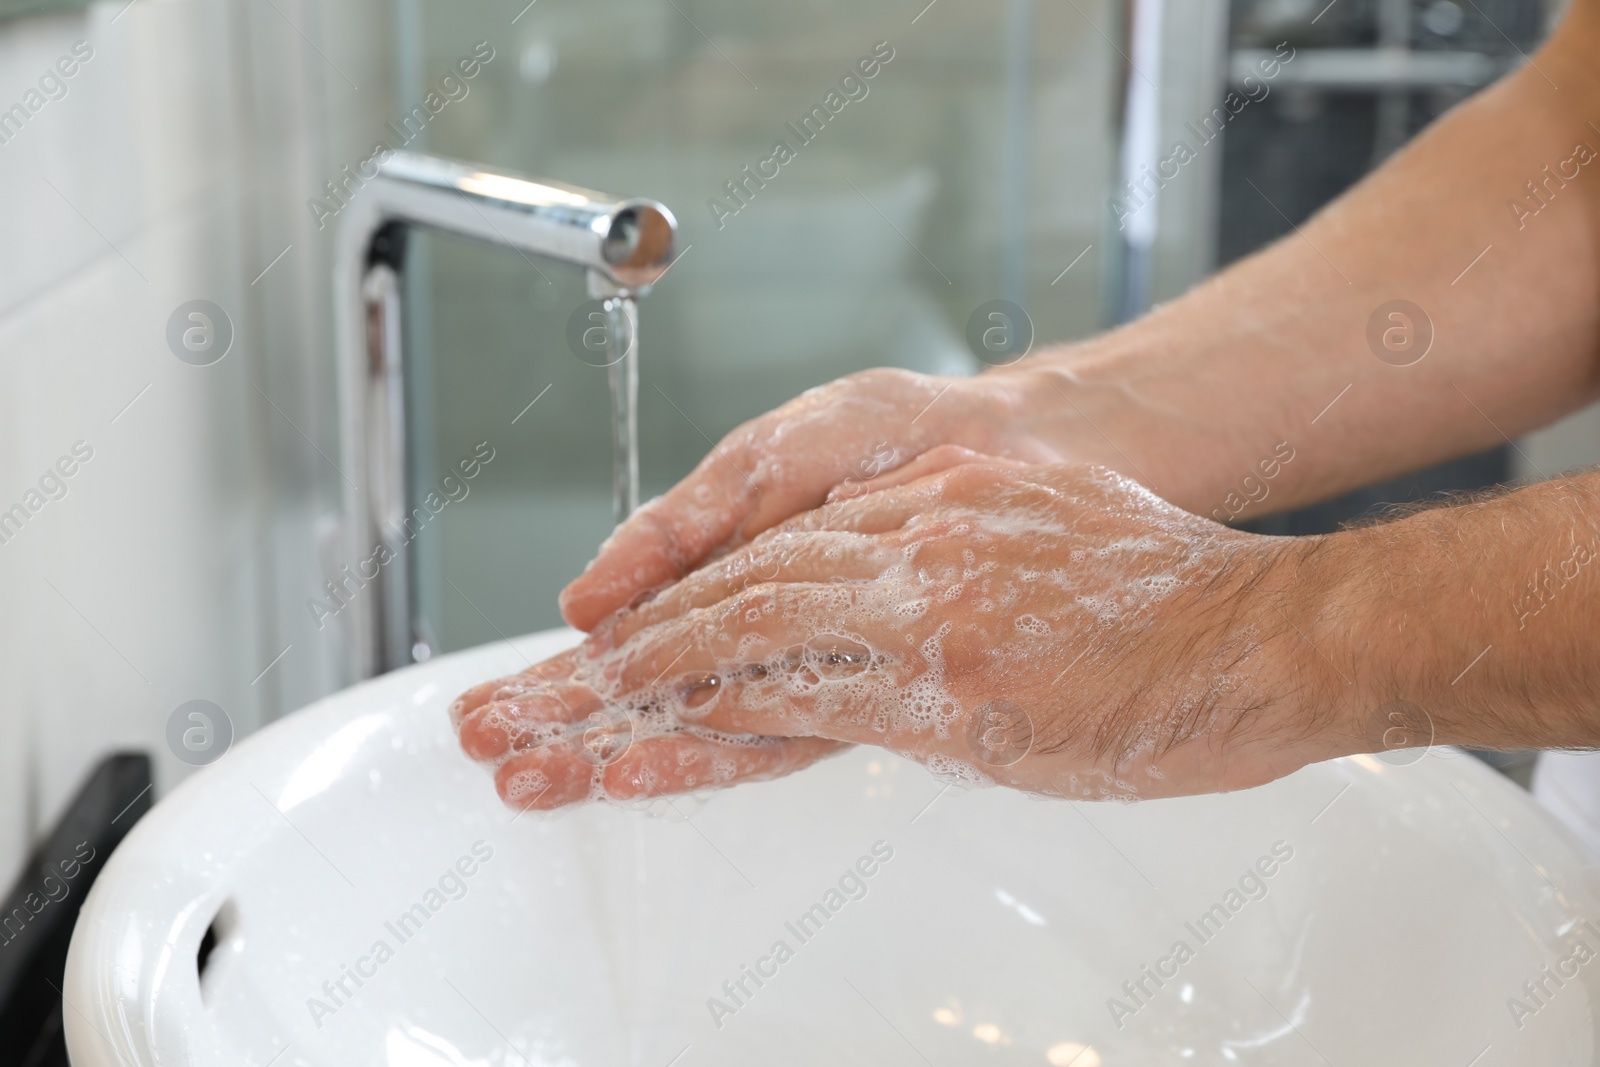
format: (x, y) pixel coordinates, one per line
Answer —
(1416, 902)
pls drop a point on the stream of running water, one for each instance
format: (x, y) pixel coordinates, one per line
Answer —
(622, 335)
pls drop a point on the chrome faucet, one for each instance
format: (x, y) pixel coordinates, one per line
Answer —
(624, 245)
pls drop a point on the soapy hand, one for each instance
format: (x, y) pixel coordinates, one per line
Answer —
(1054, 628)
(841, 434)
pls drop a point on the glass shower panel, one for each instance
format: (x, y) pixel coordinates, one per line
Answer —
(851, 182)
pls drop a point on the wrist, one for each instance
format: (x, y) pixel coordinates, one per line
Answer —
(1108, 401)
(1349, 651)
(1085, 411)
(1254, 669)
(1304, 603)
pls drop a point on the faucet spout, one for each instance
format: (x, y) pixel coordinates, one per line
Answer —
(624, 245)
(630, 242)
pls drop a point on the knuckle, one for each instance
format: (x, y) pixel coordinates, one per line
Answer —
(881, 376)
(971, 479)
(948, 453)
(887, 381)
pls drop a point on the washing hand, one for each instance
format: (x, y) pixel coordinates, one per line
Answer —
(840, 434)
(1054, 628)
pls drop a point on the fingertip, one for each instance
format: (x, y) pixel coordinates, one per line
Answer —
(643, 771)
(664, 540)
(471, 701)
(483, 736)
(577, 606)
(633, 562)
(543, 676)
(545, 778)
(592, 595)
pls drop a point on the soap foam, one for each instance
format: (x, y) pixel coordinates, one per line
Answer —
(871, 664)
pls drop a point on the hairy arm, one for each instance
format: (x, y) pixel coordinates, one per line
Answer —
(1194, 395)
(1481, 615)
(980, 593)
(1199, 395)
(1057, 628)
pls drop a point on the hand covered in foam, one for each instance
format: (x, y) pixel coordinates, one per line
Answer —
(1053, 628)
(843, 433)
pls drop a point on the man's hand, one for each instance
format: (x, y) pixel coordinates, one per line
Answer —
(1053, 628)
(1216, 673)
(832, 438)
(1273, 351)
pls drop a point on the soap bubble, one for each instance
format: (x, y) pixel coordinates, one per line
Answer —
(833, 656)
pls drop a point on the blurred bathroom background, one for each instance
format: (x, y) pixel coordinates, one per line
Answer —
(178, 161)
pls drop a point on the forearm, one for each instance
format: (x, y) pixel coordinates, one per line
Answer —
(1486, 616)
(1205, 397)
(1194, 396)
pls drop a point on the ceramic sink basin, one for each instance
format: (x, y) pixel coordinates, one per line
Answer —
(370, 901)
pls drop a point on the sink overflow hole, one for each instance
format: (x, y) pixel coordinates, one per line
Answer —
(207, 944)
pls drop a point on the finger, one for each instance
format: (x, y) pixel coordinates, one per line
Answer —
(1115, 497)
(685, 762)
(558, 775)
(526, 720)
(936, 459)
(784, 660)
(954, 478)
(663, 540)
(554, 669)
(799, 557)
(546, 777)
(764, 472)
(879, 513)
(748, 639)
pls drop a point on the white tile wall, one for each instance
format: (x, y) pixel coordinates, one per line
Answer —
(177, 564)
